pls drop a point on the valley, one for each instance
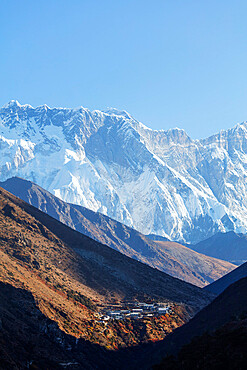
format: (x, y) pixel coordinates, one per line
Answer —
(123, 185)
(93, 291)
(169, 257)
(69, 278)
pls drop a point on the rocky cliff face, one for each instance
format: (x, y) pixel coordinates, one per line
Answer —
(160, 182)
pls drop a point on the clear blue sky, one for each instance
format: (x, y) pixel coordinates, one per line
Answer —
(169, 63)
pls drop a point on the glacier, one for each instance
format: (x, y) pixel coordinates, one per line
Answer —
(158, 182)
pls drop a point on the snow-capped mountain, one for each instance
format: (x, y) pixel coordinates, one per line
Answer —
(159, 182)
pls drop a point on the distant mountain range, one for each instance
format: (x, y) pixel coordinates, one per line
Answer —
(158, 182)
(221, 284)
(169, 257)
(229, 246)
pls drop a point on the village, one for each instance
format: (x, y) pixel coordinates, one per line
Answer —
(135, 310)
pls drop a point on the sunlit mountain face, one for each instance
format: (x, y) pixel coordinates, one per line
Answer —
(159, 182)
(170, 257)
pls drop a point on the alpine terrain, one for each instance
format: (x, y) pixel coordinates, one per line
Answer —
(228, 246)
(216, 338)
(67, 300)
(159, 182)
(170, 257)
(221, 284)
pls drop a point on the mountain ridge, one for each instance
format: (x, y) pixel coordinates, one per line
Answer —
(57, 281)
(228, 246)
(72, 244)
(169, 257)
(218, 334)
(159, 182)
(218, 286)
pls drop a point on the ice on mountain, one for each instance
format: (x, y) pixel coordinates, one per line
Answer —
(155, 181)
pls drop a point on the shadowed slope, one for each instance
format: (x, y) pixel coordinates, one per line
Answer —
(229, 246)
(220, 285)
(98, 265)
(219, 332)
(226, 307)
(28, 339)
(223, 349)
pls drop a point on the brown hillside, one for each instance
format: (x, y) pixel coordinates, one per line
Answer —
(69, 276)
(103, 272)
(208, 268)
(171, 258)
(28, 339)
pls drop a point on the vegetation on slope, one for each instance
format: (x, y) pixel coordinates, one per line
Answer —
(171, 258)
(39, 261)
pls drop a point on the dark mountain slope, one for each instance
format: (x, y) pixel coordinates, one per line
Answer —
(219, 334)
(225, 348)
(220, 285)
(229, 246)
(28, 339)
(170, 258)
(230, 304)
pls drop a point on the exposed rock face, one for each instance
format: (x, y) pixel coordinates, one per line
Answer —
(160, 182)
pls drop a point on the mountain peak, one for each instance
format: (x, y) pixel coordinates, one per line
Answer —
(109, 162)
(241, 126)
(117, 112)
(12, 103)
